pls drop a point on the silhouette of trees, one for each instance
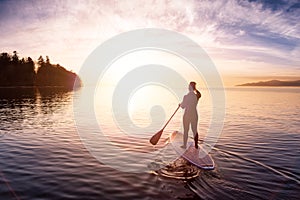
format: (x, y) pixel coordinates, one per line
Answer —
(15, 57)
(21, 72)
(41, 61)
(47, 60)
(54, 75)
(16, 72)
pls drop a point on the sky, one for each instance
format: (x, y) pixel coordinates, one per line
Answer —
(248, 40)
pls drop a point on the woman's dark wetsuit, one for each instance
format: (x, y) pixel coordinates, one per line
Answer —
(190, 116)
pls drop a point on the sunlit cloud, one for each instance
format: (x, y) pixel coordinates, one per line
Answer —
(255, 33)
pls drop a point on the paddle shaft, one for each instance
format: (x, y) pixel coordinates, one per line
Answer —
(154, 139)
(171, 117)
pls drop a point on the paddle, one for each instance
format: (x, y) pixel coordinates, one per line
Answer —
(154, 139)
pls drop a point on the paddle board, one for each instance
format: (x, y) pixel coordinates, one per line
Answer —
(198, 157)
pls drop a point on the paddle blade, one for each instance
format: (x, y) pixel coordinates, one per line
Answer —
(156, 137)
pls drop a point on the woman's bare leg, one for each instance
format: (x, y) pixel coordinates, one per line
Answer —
(194, 129)
(186, 128)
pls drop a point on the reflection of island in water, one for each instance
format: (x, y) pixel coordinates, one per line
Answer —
(34, 109)
(274, 83)
(22, 72)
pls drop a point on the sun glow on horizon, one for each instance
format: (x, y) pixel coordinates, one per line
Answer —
(126, 63)
(244, 38)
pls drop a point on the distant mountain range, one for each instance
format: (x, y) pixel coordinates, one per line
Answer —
(276, 83)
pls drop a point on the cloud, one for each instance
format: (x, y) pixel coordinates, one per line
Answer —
(249, 28)
(257, 31)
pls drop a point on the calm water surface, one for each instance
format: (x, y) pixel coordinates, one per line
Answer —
(42, 156)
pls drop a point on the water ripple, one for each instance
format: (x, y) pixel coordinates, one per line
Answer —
(257, 155)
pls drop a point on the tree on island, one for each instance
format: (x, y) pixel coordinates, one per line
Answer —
(53, 75)
(16, 72)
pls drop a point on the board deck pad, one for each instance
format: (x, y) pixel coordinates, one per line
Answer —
(198, 157)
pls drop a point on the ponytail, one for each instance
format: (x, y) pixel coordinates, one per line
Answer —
(198, 94)
(193, 85)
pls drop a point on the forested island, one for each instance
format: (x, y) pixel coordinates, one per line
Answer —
(274, 83)
(15, 71)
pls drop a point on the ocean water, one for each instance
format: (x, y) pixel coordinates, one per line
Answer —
(42, 156)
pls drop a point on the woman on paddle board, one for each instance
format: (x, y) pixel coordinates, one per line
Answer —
(190, 116)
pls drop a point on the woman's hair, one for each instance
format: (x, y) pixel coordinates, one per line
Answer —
(193, 85)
